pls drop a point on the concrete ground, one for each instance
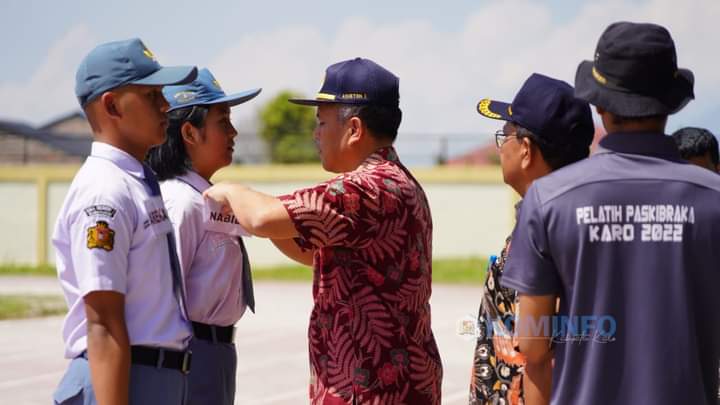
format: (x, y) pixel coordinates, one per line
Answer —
(272, 345)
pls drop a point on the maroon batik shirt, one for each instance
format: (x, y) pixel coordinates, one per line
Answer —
(369, 336)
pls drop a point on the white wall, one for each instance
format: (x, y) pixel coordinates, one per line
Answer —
(56, 196)
(468, 219)
(18, 222)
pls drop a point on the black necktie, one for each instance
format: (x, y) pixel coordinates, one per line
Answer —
(152, 182)
(247, 283)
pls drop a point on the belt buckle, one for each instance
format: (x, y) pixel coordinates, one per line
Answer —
(232, 335)
(186, 362)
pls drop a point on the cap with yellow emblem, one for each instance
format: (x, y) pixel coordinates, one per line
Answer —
(204, 90)
(356, 81)
(546, 107)
(120, 63)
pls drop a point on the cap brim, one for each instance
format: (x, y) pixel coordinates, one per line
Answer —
(629, 104)
(496, 110)
(237, 98)
(169, 76)
(232, 99)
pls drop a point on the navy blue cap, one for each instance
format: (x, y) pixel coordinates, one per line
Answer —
(357, 81)
(121, 63)
(546, 107)
(204, 90)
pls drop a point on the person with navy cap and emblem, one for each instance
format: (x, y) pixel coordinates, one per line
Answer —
(126, 331)
(546, 128)
(368, 235)
(627, 240)
(213, 259)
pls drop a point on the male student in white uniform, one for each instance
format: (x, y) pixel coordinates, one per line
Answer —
(125, 333)
(214, 262)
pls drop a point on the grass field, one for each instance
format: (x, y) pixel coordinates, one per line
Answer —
(29, 306)
(453, 271)
(468, 271)
(447, 271)
(23, 270)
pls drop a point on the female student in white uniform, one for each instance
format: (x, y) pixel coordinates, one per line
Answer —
(213, 259)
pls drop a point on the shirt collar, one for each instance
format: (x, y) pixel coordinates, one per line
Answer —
(119, 157)
(195, 181)
(385, 153)
(642, 143)
(518, 205)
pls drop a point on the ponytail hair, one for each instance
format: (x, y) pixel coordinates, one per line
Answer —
(171, 159)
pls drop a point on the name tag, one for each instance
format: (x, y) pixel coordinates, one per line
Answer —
(157, 217)
(216, 221)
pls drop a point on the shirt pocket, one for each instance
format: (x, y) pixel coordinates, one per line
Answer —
(221, 242)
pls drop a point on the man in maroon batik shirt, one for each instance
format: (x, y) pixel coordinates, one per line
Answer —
(368, 235)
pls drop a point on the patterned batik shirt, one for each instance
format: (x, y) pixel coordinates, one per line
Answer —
(369, 335)
(496, 375)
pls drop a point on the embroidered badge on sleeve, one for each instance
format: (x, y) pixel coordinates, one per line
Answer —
(100, 236)
(100, 210)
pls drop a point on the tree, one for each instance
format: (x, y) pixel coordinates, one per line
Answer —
(288, 130)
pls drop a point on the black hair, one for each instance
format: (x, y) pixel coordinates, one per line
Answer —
(382, 121)
(557, 155)
(696, 142)
(170, 159)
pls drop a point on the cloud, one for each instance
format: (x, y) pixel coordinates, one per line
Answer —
(49, 91)
(443, 73)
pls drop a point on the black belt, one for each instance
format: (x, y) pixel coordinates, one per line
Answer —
(215, 334)
(158, 357)
(161, 358)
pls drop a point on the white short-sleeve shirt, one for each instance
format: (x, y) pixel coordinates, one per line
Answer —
(108, 237)
(211, 260)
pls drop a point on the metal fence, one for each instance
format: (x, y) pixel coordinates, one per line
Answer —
(414, 149)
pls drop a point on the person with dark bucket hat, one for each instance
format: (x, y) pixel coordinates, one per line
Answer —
(213, 259)
(368, 235)
(546, 128)
(627, 240)
(126, 330)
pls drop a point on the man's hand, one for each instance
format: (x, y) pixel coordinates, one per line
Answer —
(218, 193)
(108, 346)
(260, 214)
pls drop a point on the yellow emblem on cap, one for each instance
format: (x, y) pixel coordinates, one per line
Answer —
(598, 77)
(509, 110)
(483, 108)
(216, 83)
(149, 54)
(325, 96)
(100, 236)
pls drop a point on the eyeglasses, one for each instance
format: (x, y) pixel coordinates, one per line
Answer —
(501, 137)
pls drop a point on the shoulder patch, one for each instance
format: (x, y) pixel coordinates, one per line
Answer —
(100, 236)
(100, 210)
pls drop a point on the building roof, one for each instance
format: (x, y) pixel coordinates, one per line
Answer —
(62, 119)
(69, 145)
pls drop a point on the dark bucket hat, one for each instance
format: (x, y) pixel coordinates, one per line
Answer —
(635, 72)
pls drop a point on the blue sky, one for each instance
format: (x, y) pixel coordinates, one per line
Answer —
(448, 54)
(173, 25)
